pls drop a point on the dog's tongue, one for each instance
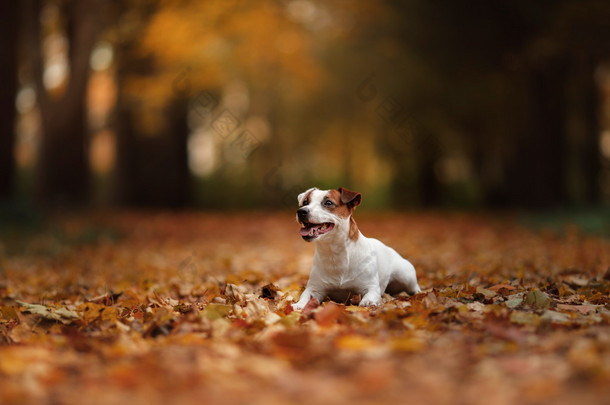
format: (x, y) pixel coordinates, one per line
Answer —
(310, 230)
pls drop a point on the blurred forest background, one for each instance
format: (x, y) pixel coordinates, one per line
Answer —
(242, 104)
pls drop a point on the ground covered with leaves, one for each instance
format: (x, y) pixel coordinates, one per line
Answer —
(196, 308)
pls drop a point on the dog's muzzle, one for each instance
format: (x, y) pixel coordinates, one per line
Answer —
(309, 230)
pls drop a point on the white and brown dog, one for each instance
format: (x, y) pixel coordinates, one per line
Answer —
(345, 261)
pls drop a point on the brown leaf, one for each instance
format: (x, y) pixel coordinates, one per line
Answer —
(503, 289)
(91, 311)
(329, 314)
(106, 299)
(8, 313)
(293, 345)
(583, 309)
(355, 299)
(269, 291)
(576, 280)
(311, 305)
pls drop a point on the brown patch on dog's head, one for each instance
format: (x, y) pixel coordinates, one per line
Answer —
(342, 203)
(303, 198)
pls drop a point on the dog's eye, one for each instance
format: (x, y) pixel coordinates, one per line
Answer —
(329, 203)
(306, 202)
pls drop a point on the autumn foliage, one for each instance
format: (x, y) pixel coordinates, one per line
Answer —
(196, 308)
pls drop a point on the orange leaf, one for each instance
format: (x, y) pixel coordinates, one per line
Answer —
(329, 314)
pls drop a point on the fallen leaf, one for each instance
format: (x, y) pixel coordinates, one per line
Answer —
(487, 293)
(106, 299)
(524, 318)
(575, 280)
(329, 314)
(555, 317)
(59, 314)
(291, 344)
(513, 303)
(91, 311)
(355, 343)
(269, 291)
(311, 305)
(355, 299)
(503, 289)
(583, 309)
(8, 313)
(407, 344)
(537, 299)
(216, 311)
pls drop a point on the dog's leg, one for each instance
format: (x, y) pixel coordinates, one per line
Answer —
(371, 298)
(305, 297)
(403, 278)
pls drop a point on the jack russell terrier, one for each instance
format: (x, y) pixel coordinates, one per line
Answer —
(345, 261)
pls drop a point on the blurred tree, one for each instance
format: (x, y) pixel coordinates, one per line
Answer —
(480, 101)
(207, 48)
(151, 167)
(62, 170)
(499, 74)
(11, 12)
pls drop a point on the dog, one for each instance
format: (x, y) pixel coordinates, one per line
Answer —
(346, 262)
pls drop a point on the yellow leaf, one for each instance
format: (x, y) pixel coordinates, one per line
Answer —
(90, 311)
(217, 311)
(355, 342)
(407, 344)
(110, 314)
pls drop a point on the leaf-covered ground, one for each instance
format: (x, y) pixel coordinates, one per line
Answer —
(195, 308)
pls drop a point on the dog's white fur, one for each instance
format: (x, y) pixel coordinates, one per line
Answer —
(345, 263)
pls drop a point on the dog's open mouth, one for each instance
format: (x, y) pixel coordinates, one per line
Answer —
(310, 230)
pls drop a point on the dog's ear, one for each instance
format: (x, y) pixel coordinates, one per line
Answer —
(351, 198)
(305, 194)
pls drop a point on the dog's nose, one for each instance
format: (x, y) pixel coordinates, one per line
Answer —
(302, 214)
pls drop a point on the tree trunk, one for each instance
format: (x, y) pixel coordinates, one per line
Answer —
(428, 152)
(10, 10)
(152, 171)
(63, 172)
(591, 154)
(535, 176)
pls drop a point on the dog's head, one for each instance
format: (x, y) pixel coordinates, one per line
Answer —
(324, 213)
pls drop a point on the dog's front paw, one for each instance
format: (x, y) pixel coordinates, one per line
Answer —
(306, 306)
(368, 301)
